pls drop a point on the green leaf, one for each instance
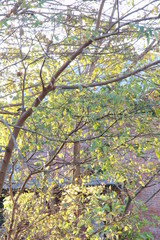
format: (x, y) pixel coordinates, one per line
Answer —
(147, 37)
(158, 154)
(93, 146)
(36, 23)
(150, 31)
(141, 29)
(155, 34)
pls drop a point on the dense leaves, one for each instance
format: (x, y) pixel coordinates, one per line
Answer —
(80, 80)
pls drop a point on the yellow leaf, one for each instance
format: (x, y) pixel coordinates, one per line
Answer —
(125, 228)
(142, 184)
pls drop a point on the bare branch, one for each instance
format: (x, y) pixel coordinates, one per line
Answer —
(118, 15)
(112, 14)
(152, 196)
(43, 87)
(99, 14)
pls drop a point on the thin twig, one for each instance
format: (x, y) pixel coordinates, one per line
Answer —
(118, 15)
(41, 74)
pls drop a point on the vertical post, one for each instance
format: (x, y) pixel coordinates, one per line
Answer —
(76, 162)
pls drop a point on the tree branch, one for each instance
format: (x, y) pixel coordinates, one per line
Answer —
(99, 14)
(117, 79)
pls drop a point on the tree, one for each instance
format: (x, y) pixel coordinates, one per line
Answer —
(82, 85)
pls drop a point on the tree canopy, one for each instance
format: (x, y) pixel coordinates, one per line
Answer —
(79, 116)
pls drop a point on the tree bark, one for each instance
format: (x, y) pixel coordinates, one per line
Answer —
(76, 163)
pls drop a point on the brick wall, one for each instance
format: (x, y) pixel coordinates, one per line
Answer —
(153, 206)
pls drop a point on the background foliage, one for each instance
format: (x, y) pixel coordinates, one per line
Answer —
(79, 117)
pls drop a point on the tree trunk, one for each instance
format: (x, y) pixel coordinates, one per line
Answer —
(76, 163)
